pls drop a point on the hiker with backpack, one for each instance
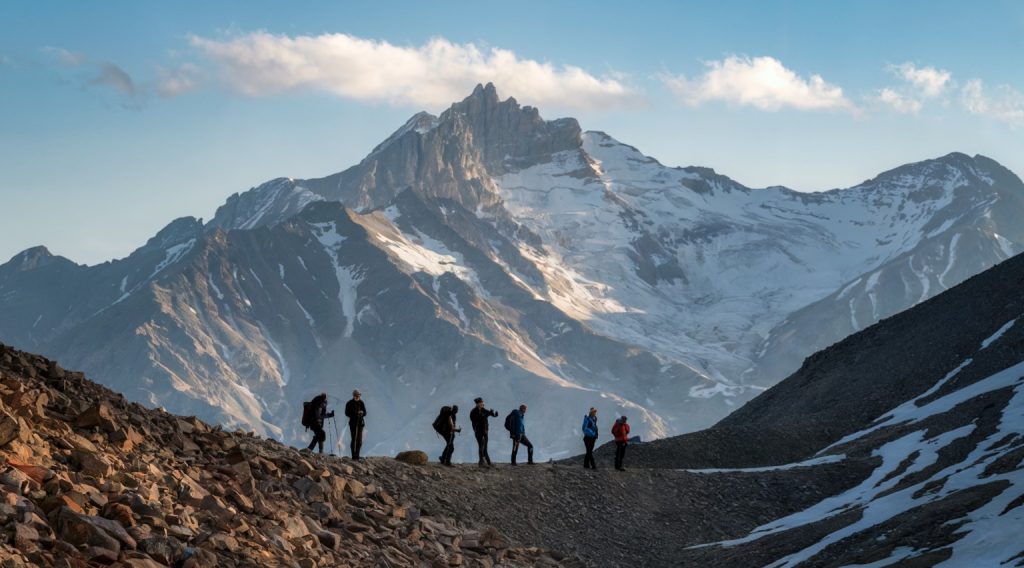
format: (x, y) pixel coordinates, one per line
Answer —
(314, 413)
(589, 438)
(516, 426)
(355, 410)
(621, 432)
(445, 425)
(478, 417)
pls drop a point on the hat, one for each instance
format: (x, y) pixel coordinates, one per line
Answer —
(478, 400)
(355, 392)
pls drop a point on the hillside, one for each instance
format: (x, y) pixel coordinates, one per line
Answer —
(89, 479)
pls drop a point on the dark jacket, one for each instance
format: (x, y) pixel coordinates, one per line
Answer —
(518, 424)
(448, 423)
(320, 411)
(478, 417)
(352, 410)
(589, 426)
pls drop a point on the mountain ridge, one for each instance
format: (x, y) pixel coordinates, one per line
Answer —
(545, 247)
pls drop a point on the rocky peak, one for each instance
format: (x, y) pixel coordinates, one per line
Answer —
(507, 135)
(31, 258)
(176, 232)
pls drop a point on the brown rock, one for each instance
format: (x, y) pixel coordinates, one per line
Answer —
(163, 549)
(9, 428)
(191, 492)
(119, 512)
(97, 415)
(26, 538)
(91, 463)
(355, 488)
(78, 529)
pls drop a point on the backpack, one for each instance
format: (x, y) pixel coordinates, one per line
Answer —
(441, 422)
(307, 414)
(509, 420)
(616, 428)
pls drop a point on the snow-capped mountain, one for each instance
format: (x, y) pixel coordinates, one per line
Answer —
(487, 251)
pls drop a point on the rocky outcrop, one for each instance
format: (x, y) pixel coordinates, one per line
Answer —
(91, 479)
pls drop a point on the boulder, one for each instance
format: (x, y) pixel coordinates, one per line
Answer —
(96, 416)
(91, 463)
(79, 530)
(413, 457)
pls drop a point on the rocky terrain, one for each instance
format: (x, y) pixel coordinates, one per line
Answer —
(489, 251)
(90, 479)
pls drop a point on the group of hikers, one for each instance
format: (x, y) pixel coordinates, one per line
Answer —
(315, 414)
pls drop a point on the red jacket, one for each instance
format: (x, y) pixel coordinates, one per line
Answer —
(621, 431)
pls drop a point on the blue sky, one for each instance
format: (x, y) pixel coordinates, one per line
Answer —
(117, 117)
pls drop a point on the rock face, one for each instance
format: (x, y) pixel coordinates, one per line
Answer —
(489, 252)
(187, 494)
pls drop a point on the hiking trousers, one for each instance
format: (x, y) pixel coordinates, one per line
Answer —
(620, 454)
(588, 460)
(522, 439)
(356, 429)
(319, 435)
(449, 448)
(481, 444)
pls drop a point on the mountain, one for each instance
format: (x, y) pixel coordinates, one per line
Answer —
(487, 251)
(902, 445)
(90, 479)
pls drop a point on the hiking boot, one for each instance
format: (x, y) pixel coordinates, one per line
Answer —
(531, 463)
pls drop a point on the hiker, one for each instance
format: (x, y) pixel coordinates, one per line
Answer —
(445, 425)
(621, 432)
(355, 410)
(314, 414)
(478, 417)
(516, 426)
(589, 437)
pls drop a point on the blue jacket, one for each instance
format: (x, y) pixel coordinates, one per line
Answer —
(589, 426)
(518, 424)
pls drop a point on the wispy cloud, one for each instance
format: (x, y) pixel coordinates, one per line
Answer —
(919, 84)
(65, 57)
(760, 82)
(182, 79)
(433, 74)
(1005, 105)
(101, 74)
(900, 102)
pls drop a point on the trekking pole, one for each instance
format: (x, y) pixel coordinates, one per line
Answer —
(337, 434)
(331, 436)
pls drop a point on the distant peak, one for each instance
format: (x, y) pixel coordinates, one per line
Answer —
(177, 231)
(35, 252)
(32, 258)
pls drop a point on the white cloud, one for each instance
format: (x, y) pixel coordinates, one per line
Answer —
(1007, 105)
(761, 82)
(899, 101)
(920, 83)
(928, 81)
(433, 74)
